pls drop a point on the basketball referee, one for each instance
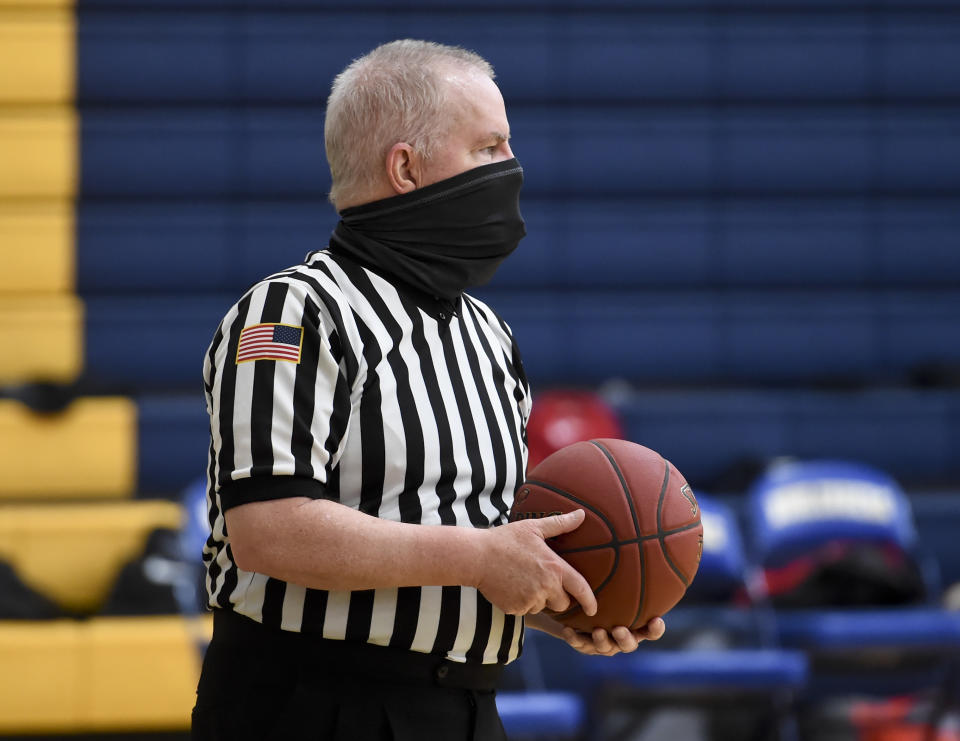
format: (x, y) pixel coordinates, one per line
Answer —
(367, 424)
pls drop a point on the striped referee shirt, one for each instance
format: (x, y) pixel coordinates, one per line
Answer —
(328, 380)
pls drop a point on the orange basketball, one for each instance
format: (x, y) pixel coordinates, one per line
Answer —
(640, 544)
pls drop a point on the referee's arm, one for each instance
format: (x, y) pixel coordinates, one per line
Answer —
(322, 544)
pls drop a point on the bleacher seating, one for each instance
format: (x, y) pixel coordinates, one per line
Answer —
(147, 247)
(906, 432)
(709, 430)
(74, 552)
(257, 56)
(93, 440)
(100, 676)
(744, 337)
(743, 213)
(631, 150)
(754, 337)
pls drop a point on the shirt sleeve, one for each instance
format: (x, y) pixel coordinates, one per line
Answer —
(278, 397)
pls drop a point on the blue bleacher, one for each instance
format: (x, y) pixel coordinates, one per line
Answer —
(648, 6)
(911, 434)
(628, 150)
(156, 343)
(669, 243)
(674, 54)
(174, 435)
(744, 337)
(163, 247)
(585, 338)
(150, 247)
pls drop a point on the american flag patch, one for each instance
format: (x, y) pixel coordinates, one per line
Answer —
(270, 342)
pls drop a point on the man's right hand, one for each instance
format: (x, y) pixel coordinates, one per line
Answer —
(520, 574)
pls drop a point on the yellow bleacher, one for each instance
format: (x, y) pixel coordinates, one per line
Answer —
(36, 4)
(41, 320)
(38, 148)
(73, 552)
(88, 450)
(37, 52)
(37, 247)
(102, 674)
(68, 522)
(96, 673)
(42, 338)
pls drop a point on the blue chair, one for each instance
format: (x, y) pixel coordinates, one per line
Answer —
(803, 514)
(718, 653)
(541, 714)
(533, 708)
(191, 590)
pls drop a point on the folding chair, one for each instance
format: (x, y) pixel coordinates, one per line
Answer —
(803, 513)
(719, 659)
(541, 714)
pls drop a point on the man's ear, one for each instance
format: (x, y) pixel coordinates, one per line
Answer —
(404, 168)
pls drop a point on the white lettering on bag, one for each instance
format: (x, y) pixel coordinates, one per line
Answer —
(830, 499)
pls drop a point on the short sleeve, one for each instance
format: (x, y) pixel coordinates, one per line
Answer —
(278, 397)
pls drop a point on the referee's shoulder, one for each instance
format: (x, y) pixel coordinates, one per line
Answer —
(310, 280)
(313, 276)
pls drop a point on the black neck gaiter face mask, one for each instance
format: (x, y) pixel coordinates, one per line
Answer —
(443, 238)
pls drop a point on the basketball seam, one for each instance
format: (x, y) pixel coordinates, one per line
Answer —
(598, 513)
(631, 541)
(661, 536)
(636, 528)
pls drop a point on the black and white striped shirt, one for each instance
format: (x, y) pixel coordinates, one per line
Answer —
(392, 404)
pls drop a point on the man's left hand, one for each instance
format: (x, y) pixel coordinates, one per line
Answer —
(618, 640)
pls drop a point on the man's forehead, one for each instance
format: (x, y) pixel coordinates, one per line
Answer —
(469, 84)
(458, 75)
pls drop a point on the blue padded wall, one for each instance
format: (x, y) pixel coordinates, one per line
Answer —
(543, 55)
(609, 151)
(174, 437)
(466, 5)
(193, 247)
(626, 244)
(912, 435)
(621, 244)
(745, 337)
(158, 343)
(657, 337)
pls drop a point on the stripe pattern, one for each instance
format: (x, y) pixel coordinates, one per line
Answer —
(395, 409)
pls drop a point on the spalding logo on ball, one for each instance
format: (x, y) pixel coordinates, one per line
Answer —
(518, 513)
(640, 543)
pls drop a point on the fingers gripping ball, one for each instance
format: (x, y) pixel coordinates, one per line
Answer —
(640, 544)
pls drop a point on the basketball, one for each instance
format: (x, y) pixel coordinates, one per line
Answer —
(640, 543)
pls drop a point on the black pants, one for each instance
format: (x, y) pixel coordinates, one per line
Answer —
(259, 684)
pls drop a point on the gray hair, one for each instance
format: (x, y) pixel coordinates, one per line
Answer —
(395, 93)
